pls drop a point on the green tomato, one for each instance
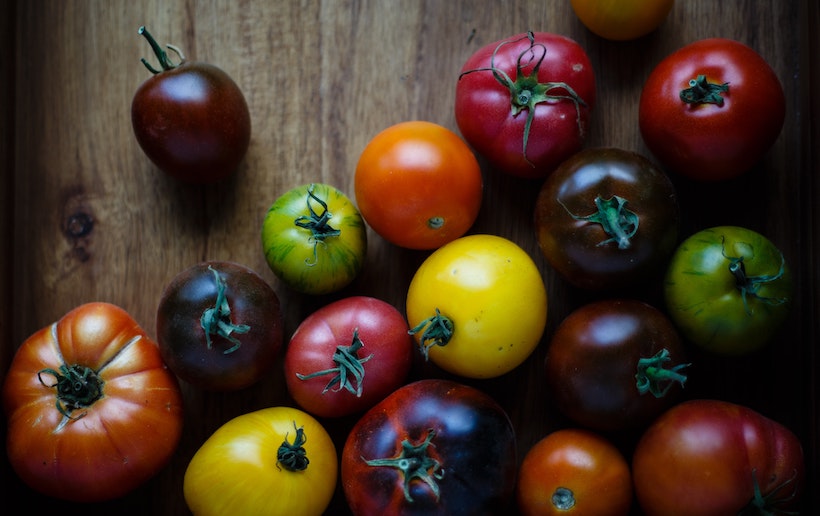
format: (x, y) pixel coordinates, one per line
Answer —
(728, 289)
(314, 239)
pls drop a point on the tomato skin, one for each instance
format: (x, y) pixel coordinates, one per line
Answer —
(582, 250)
(224, 365)
(236, 470)
(619, 20)
(559, 127)
(382, 330)
(472, 439)
(702, 456)
(122, 439)
(706, 141)
(704, 300)
(574, 471)
(192, 121)
(418, 185)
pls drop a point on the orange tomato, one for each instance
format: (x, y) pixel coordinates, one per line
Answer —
(622, 20)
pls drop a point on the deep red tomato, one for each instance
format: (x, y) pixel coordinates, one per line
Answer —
(549, 81)
(190, 119)
(432, 447)
(92, 410)
(347, 356)
(712, 109)
(607, 218)
(219, 326)
(615, 364)
(711, 457)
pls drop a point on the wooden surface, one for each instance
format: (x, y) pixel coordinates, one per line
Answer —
(321, 78)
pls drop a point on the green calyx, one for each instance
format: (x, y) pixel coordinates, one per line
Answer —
(164, 61)
(78, 387)
(437, 330)
(216, 320)
(654, 377)
(414, 463)
(316, 223)
(292, 456)
(771, 503)
(701, 91)
(749, 286)
(619, 223)
(349, 370)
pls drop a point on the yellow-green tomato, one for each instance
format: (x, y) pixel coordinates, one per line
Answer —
(274, 461)
(477, 306)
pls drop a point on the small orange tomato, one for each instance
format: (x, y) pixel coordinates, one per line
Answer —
(418, 185)
(622, 20)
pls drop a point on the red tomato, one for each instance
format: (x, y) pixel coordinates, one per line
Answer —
(711, 110)
(92, 410)
(418, 185)
(347, 356)
(550, 83)
(710, 457)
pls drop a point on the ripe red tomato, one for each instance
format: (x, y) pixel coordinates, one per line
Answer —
(711, 457)
(550, 83)
(711, 110)
(92, 410)
(190, 119)
(418, 185)
(347, 356)
(431, 447)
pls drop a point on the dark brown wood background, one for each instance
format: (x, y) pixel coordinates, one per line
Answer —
(321, 78)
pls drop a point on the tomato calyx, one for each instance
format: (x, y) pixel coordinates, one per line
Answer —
(217, 319)
(293, 456)
(701, 91)
(615, 219)
(317, 224)
(348, 364)
(438, 330)
(164, 61)
(414, 463)
(767, 505)
(563, 499)
(78, 386)
(653, 376)
(750, 285)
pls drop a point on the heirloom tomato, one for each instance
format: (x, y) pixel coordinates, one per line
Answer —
(711, 457)
(728, 289)
(477, 306)
(219, 326)
(92, 410)
(574, 472)
(711, 110)
(607, 219)
(418, 185)
(524, 102)
(431, 447)
(190, 119)
(348, 355)
(274, 461)
(314, 239)
(622, 20)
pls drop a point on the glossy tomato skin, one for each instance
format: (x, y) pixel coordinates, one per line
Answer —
(384, 352)
(721, 306)
(470, 456)
(418, 185)
(576, 204)
(559, 125)
(214, 360)
(573, 471)
(109, 445)
(711, 141)
(622, 20)
(704, 457)
(192, 121)
(594, 364)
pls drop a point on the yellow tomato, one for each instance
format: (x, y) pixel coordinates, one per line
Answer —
(272, 461)
(477, 306)
(622, 20)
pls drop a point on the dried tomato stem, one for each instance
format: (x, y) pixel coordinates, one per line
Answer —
(162, 56)
(618, 222)
(78, 386)
(414, 463)
(217, 319)
(655, 378)
(750, 285)
(348, 364)
(292, 456)
(438, 330)
(317, 224)
(701, 91)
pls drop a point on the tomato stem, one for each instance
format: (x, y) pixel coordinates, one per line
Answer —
(292, 456)
(438, 330)
(618, 222)
(217, 319)
(317, 224)
(768, 504)
(78, 386)
(750, 285)
(414, 463)
(701, 91)
(655, 378)
(563, 499)
(348, 364)
(162, 56)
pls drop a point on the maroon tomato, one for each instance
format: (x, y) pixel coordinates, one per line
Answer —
(550, 83)
(712, 109)
(711, 457)
(347, 356)
(190, 119)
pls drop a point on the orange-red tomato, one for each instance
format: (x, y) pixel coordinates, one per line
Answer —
(622, 20)
(418, 185)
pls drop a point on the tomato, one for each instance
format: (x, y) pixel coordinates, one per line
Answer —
(728, 289)
(191, 119)
(92, 410)
(574, 471)
(549, 82)
(418, 185)
(607, 219)
(477, 306)
(711, 457)
(348, 355)
(711, 110)
(620, 20)
(615, 364)
(314, 239)
(274, 461)
(432, 447)
(219, 326)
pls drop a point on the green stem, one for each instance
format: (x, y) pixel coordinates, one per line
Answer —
(770, 504)
(292, 456)
(701, 91)
(438, 330)
(414, 463)
(317, 224)
(655, 378)
(750, 285)
(348, 364)
(164, 61)
(78, 386)
(619, 223)
(217, 319)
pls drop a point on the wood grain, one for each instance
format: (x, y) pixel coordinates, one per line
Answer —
(321, 78)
